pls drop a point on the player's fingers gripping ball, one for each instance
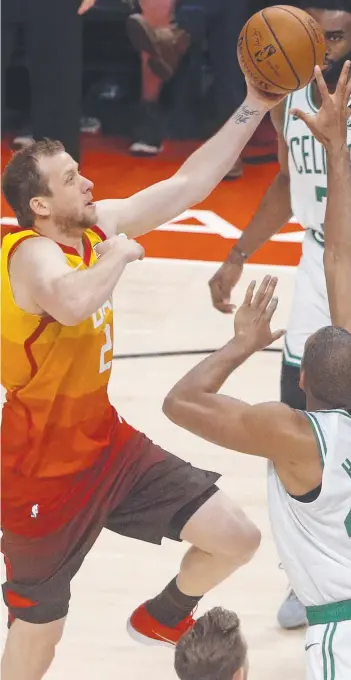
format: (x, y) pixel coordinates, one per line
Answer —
(279, 47)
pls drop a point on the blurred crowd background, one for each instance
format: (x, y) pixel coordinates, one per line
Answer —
(71, 67)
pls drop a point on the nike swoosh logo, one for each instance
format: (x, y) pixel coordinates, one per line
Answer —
(171, 642)
(312, 645)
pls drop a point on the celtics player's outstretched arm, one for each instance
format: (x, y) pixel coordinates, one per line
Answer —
(330, 127)
(195, 179)
(272, 214)
(271, 430)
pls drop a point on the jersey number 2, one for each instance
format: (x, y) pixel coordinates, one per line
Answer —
(107, 347)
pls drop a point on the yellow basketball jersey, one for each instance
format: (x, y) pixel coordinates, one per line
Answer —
(57, 418)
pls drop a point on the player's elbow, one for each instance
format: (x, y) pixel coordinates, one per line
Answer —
(176, 408)
(170, 407)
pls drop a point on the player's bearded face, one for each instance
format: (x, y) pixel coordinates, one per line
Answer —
(333, 69)
(337, 30)
(70, 204)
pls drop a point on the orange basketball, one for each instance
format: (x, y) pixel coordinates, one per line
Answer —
(279, 47)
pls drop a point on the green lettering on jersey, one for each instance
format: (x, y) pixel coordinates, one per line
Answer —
(321, 193)
(317, 171)
(295, 141)
(347, 466)
(305, 154)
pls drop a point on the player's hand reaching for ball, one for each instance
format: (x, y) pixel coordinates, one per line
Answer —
(329, 125)
(252, 323)
(262, 98)
(123, 247)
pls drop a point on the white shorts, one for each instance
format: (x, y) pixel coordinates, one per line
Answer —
(328, 651)
(310, 307)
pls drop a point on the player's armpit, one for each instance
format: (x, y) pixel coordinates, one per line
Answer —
(271, 430)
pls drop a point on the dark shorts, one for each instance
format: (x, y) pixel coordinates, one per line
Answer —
(163, 493)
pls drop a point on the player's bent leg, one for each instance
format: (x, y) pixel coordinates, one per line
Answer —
(30, 649)
(178, 501)
(223, 538)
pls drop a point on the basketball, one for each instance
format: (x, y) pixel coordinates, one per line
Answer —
(279, 47)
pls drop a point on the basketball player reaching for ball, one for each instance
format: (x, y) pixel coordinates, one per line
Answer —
(299, 189)
(309, 474)
(70, 464)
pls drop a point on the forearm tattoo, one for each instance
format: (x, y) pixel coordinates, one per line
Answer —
(244, 114)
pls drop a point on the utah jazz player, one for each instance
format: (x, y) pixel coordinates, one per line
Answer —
(299, 189)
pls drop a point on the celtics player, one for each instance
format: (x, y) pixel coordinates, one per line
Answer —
(309, 473)
(299, 189)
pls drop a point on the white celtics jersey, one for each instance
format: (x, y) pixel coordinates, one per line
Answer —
(314, 539)
(307, 164)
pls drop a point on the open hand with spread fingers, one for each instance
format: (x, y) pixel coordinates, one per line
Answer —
(329, 125)
(252, 323)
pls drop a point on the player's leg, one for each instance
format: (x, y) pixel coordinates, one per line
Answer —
(30, 649)
(37, 593)
(328, 651)
(177, 501)
(309, 312)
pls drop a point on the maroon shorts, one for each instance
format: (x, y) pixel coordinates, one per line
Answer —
(151, 497)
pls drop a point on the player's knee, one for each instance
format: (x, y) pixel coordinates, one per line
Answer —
(39, 639)
(244, 541)
(241, 539)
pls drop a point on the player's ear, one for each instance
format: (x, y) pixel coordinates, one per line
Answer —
(302, 380)
(239, 675)
(40, 206)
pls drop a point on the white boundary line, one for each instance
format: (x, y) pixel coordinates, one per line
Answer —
(11, 221)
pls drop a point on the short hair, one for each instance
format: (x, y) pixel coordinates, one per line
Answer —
(213, 649)
(329, 5)
(22, 179)
(327, 366)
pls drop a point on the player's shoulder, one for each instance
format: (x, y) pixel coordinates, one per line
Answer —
(35, 245)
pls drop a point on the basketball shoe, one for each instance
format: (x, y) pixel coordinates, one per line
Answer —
(143, 628)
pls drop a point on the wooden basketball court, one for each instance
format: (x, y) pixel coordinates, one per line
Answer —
(163, 321)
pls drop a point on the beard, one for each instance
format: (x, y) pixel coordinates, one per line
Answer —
(332, 73)
(74, 224)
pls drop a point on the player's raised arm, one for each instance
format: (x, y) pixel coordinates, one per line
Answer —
(272, 214)
(272, 430)
(329, 126)
(195, 179)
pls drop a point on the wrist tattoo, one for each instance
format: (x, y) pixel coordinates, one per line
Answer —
(243, 114)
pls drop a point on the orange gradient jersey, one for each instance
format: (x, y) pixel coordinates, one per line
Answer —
(57, 420)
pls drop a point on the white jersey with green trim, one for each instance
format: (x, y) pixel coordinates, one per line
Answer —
(314, 538)
(307, 164)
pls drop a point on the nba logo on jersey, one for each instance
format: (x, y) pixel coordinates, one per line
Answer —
(35, 511)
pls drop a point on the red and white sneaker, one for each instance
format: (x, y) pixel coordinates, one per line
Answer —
(143, 628)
